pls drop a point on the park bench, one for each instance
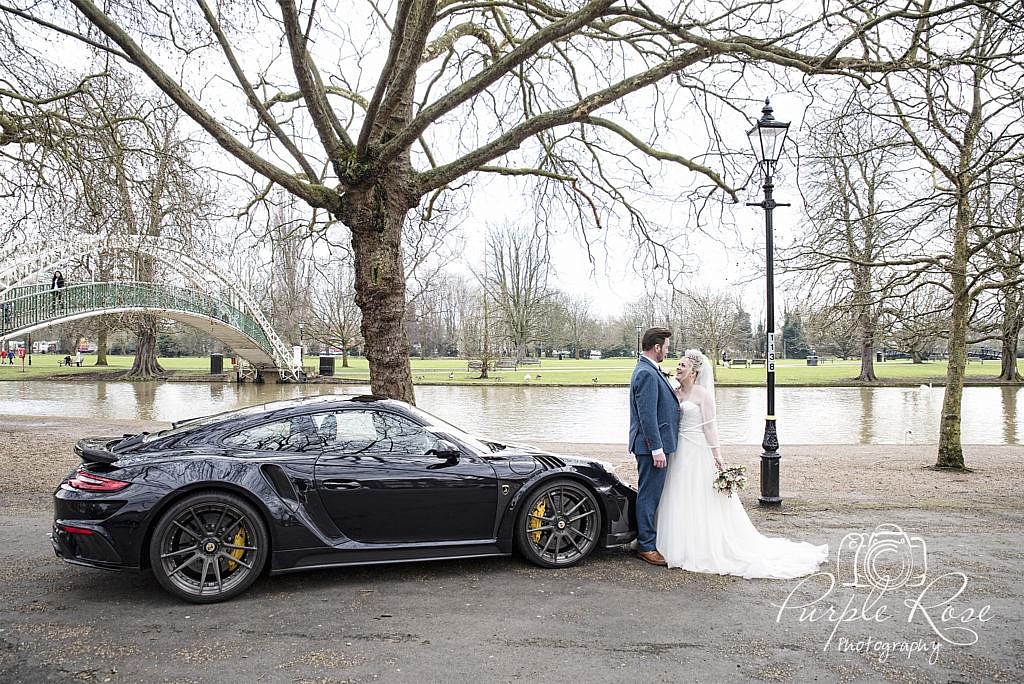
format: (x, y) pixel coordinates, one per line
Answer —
(500, 364)
(733, 363)
(530, 361)
(757, 362)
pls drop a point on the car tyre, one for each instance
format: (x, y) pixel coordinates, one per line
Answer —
(208, 547)
(559, 524)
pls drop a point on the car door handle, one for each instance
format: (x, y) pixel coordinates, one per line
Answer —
(341, 484)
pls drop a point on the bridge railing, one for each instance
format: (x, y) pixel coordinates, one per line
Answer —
(31, 305)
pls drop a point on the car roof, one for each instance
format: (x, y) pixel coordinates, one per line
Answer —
(289, 405)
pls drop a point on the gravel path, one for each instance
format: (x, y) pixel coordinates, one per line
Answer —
(610, 619)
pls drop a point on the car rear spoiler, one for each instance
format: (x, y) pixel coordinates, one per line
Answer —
(94, 450)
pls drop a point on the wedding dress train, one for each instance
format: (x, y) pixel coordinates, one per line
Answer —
(702, 530)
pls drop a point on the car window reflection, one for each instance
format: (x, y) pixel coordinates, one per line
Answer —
(297, 434)
(374, 435)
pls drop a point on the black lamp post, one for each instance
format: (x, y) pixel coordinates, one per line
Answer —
(638, 341)
(767, 138)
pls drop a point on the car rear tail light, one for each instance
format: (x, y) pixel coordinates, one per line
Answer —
(90, 482)
(74, 530)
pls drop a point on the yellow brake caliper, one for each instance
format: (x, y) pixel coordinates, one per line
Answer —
(535, 520)
(239, 540)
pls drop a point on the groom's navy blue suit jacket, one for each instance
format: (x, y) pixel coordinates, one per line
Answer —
(653, 411)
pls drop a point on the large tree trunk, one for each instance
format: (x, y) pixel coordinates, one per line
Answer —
(101, 346)
(376, 216)
(867, 322)
(867, 349)
(145, 365)
(1012, 323)
(951, 452)
(485, 352)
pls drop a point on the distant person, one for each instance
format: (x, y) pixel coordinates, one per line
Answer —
(56, 288)
(66, 361)
(6, 314)
(78, 358)
(3, 357)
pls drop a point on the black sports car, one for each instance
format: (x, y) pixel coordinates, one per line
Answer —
(211, 503)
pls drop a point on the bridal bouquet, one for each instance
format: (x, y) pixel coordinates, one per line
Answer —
(730, 479)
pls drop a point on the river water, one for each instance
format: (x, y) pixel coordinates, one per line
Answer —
(806, 415)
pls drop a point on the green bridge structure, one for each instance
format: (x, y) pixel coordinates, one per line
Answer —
(234, 318)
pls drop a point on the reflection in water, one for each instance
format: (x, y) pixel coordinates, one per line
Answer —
(145, 395)
(806, 415)
(867, 416)
(1011, 430)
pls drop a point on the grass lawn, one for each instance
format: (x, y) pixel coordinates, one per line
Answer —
(615, 371)
(47, 366)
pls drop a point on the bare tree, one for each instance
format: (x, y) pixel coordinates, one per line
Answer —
(524, 90)
(335, 316)
(1003, 205)
(965, 120)
(291, 270)
(710, 319)
(859, 215)
(918, 323)
(517, 281)
(579, 322)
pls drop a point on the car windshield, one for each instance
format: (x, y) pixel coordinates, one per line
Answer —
(438, 425)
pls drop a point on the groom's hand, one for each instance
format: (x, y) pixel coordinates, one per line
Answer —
(659, 458)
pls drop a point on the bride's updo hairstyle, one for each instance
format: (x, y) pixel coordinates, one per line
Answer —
(696, 358)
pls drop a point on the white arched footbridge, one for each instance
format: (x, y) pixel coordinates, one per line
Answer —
(233, 317)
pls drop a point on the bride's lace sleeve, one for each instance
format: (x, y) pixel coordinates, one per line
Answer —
(709, 418)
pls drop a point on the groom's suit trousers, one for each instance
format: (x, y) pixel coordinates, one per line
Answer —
(652, 481)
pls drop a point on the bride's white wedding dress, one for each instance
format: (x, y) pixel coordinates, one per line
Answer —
(702, 530)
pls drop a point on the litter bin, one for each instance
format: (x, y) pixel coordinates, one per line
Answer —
(878, 357)
(812, 360)
(216, 364)
(326, 365)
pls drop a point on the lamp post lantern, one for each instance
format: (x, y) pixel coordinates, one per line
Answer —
(638, 329)
(767, 138)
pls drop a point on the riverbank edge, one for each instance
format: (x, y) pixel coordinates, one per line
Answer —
(116, 376)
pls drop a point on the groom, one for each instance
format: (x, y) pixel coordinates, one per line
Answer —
(653, 426)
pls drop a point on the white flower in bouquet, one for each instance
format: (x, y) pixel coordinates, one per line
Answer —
(730, 479)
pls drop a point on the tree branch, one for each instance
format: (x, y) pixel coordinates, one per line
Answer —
(316, 100)
(250, 94)
(316, 195)
(661, 155)
(575, 113)
(478, 83)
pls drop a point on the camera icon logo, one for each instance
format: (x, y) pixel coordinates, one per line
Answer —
(888, 558)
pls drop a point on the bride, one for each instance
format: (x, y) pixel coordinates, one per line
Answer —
(700, 529)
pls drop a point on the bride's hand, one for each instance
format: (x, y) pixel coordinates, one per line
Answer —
(718, 463)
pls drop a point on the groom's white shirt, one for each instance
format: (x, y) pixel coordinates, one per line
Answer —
(656, 452)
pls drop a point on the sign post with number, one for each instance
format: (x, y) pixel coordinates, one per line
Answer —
(21, 355)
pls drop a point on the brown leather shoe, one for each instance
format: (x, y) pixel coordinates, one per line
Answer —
(652, 557)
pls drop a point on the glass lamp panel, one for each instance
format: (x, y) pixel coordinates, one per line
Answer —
(772, 138)
(755, 143)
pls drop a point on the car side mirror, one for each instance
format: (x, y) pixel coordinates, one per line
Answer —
(444, 449)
